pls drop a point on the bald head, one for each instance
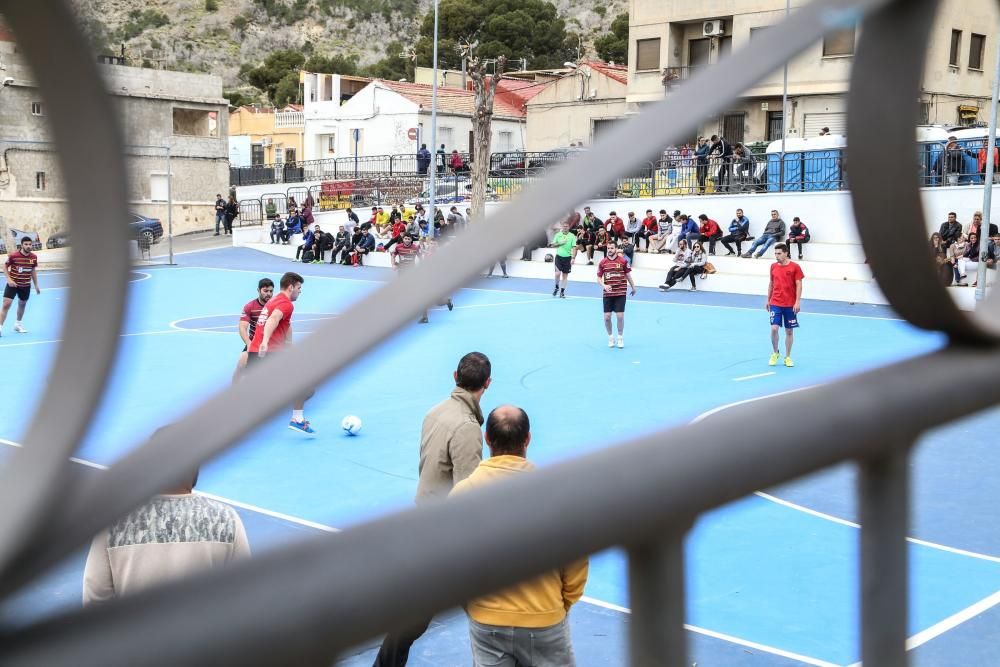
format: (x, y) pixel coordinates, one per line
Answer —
(508, 431)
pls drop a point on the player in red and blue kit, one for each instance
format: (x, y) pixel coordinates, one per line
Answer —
(784, 296)
(613, 275)
(20, 272)
(248, 319)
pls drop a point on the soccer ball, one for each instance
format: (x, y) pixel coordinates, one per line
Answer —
(351, 425)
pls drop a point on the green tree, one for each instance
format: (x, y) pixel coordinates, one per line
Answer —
(238, 98)
(211, 5)
(613, 46)
(278, 76)
(530, 29)
(332, 65)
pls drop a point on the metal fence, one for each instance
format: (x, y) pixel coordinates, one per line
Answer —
(331, 592)
(339, 168)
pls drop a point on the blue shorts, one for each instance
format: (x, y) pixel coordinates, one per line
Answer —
(784, 316)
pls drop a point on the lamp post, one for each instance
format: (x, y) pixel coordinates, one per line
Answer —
(784, 111)
(434, 155)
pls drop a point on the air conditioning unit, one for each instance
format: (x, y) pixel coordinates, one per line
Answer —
(713, 28)
(266, 141)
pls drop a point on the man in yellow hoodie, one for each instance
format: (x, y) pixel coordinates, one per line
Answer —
(525, 625)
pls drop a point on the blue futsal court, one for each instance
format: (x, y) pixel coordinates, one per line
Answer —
(772, 578)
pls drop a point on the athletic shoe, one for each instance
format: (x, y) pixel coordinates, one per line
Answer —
(19, 328)
(301, 427)
(422, 320)
(789, 363)
(759, 255)
(664, 287)
(773, 361)
(590, 263)
(555, 292)
(730, 253)
(611, 341)
(745, 255)
(450, 305)
(562, 295)
(506, 276)
(800, 258)
(694, 288)
(621, 342)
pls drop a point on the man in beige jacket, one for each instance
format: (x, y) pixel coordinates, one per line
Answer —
(451, 446)
(525, 624)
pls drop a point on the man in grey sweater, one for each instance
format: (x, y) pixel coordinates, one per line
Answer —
(451, 447)
(174, 534)
(773, 232)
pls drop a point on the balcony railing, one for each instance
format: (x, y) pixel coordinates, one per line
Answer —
(289, 119)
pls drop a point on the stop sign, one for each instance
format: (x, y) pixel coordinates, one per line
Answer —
(411, 134)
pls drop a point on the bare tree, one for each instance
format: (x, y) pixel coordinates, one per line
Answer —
(485, 89)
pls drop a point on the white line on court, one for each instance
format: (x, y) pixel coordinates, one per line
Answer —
(589, 600)
(49, 289)
(754, 377)
(483, 289)
(829, 517)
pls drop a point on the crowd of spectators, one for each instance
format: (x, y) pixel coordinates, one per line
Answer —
(957, 249)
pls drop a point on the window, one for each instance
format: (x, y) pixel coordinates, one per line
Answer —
(446, 137)
(840, 43)
(699, 52)
(39, 180)
(956, 44)
(506, 141)
(925, 113)
(331, 143)
(195, 122)
(36, 108)
(279, 155)
(257, 154)
(647, 54)
(977, 44)
(289, 155)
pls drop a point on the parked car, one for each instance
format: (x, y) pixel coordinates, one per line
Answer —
(144, 228)
(450, 191)
(36, 243)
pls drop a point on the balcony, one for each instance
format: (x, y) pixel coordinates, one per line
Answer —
(289, 119)
(672, 77)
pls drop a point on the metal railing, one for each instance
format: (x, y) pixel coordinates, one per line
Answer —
(338, 168)
(306, 602)
(284, 119)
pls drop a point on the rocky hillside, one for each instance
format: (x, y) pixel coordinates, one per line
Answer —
(221, 36)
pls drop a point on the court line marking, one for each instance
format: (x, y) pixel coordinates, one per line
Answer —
(589, 600)
(754, 377)
(506, 291)
(49, 289)
(724, 637)
(4, 346)
(829, 517)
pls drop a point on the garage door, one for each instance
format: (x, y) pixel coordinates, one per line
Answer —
(837, 122)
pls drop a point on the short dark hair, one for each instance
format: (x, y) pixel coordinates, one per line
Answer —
(715, 137)
(781, 246)
(796, 219)
(507, 432)
(473, 371)
(949, 213)
(25, 238)
(265, 282)
(663, 211)
(291, 278)
(703, 217)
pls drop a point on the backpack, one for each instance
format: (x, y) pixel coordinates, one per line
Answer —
(308, 256)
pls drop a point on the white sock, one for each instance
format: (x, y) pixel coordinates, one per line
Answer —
(297, 416)
(18, 323)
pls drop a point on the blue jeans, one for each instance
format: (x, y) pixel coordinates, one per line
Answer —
(500, 646)
(218, 221)
(764, 239)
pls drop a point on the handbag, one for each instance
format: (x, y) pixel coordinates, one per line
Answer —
(709, 267)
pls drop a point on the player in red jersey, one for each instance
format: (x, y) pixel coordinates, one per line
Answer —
(274, 331)
(248, 319)
(613, 274)
(784, 296)
(20, 271)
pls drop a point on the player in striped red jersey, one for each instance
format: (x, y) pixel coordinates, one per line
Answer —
(20, 272)
(248, 319)
(405, 254)
(614, 274)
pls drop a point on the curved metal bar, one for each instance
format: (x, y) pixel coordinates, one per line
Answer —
(332, 592)
(226, 417)
(886, 75)
(35, 483)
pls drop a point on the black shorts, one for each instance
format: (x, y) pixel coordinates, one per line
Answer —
(22, 293)
(614, 304)
(564, 264)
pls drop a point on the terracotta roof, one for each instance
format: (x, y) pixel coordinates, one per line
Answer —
(617, 72)
(517, 92)
(451, 100)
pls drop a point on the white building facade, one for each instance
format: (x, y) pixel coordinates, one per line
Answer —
(394, 118)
